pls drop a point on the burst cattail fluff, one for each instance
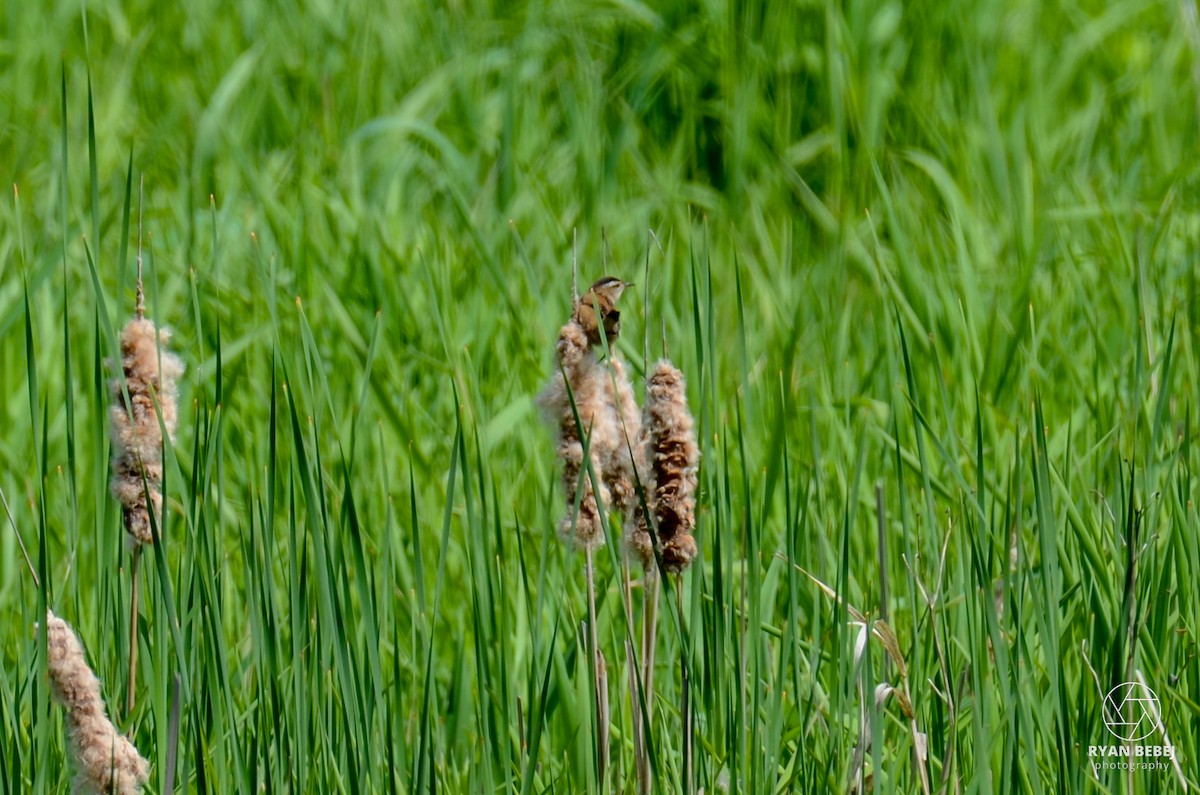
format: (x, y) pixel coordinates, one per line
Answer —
(106, 763)
(150, 374)
(627, 466)
(673, 457)
(582, 378)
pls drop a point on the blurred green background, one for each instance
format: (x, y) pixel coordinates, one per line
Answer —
(943, 252)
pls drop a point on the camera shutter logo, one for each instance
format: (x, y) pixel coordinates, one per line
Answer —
(1130, 711)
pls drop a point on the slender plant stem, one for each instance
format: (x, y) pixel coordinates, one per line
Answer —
(141, 293)
(574, 269)
(133, 618)
(140, 308)
(20, 541)
(600, 676)
(602, 716)
(646, 309)
(685, 707)
(641, 760)
(650, 590)
(649, 635)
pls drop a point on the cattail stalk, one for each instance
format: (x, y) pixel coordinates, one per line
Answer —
(143, 410)
(577, 401)
(131, 683)
(685, 699)
(149, 376)
(599, 671)
(105, 761)
(670, 457)
(626, 479)
(640, 756)
(574, 269)
(649, 643)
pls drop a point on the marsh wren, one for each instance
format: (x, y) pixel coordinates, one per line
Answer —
(599, 305)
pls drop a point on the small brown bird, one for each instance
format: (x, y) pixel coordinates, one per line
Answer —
(599, 305)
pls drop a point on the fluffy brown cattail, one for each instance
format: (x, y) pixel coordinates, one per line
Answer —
(581, 377)
(639, 540)
(150, 373)
(623, 481)
(627, 466)
(106, 763)
(673, 457)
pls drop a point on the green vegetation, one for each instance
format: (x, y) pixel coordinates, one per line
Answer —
(935, 260)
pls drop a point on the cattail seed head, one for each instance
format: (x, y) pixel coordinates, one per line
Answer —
(586, 530)
(679, 552)
(627, 466)
(673, 457)
(106, 763)
(581, 377)
(150, 375)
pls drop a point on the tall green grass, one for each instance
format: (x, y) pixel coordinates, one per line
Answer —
(931, 272)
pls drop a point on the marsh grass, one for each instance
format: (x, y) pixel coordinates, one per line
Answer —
(947, 258)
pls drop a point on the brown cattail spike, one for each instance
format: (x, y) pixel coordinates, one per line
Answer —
(673, 456)
(150, 375)
(627, 466)
(106, 763)
(582, 378)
